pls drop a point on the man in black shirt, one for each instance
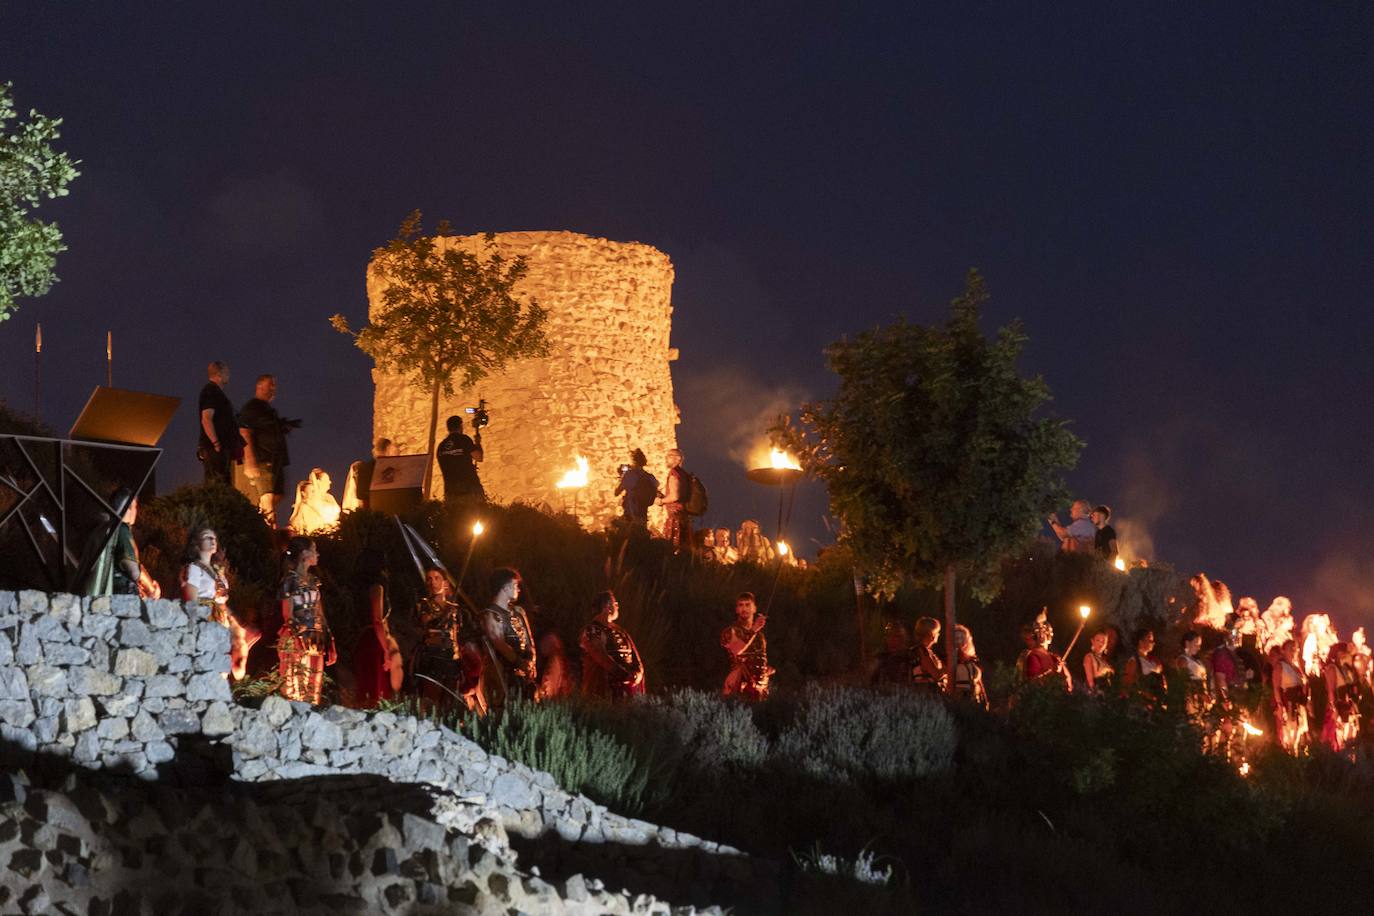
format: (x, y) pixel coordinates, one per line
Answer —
(220, 445)
(1105, 539)
(265, 455)
(456, 455)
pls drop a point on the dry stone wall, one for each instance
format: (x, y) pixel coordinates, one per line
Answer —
(132, 687)
(604, 389)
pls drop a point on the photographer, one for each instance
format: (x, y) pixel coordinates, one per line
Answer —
(262, 476)
(456, 455)
(638, 487)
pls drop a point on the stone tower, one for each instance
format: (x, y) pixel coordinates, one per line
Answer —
(604, 388)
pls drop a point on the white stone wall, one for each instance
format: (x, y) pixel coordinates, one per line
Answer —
(604, 389)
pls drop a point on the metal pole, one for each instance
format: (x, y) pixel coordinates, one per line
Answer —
(38, 375)
(109, 359)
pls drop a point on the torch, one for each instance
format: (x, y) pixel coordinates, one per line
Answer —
(477, 529)
(109, 359)
(782, 472)
(574, 479)
(1084, 612)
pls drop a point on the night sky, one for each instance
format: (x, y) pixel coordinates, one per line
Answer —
(1176, 202)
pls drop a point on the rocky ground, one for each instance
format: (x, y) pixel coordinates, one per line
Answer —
(104, 845)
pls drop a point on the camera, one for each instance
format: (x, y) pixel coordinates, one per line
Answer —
(480, 417)
(620, 471)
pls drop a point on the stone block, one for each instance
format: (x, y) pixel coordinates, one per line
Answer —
(17, 713)
(45, 680)
(87, 681)
(66, 608)
(121, 704)
(112, 729)
(49, 629)
(145, 727)
(213, 663)
(276, 709)
(6, 650)
(80, 715)
(165, 646)
(100, 626)
(44, 730)
(158, 752)
(257, 739)
(218, 720)
(135, 663)
(179, 722)
(32, 603)
(124, 605)
(65, 654)
(166, 615)
(134, 632)
(13, 684)
(164, 685)
(87, 747)
(208, 686)
(29, 651)
(321, 734)
(212, 637)
(512, 791)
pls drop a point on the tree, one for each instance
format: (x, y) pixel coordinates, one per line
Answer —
(936, 461)
(448, 317)
(30, 170)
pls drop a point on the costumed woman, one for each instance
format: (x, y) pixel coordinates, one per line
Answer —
(205, 580)
(305, 646)
(1144, 673)
(927, 671)
(968, 674)
(377, 666)
(448, 661)
(1290, 698)
(1098, 673)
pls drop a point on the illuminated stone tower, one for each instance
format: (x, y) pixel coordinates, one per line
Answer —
(604, 388)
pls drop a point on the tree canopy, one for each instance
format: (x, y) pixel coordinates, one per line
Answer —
(933, 451)
(449, 317)
(30, 171)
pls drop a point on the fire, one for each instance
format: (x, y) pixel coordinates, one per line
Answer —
(1084, 611)
(777, 458)
(1245, 769)
(1252, 731)
(576, 478)
(1120, 564)
(477, 528)
(782, 548)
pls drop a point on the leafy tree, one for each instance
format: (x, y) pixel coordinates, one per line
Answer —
(935, 459)
(30, 170)
(448, 317)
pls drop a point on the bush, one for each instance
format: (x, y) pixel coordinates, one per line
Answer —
(851, 735)
(548, 737)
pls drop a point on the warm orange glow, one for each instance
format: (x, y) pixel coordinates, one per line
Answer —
(1252, 731)
(782, 548)
(1084, 611)
(1120, 564)
(576, 478)
(1245, 769)
(477, 528)
(777, 458)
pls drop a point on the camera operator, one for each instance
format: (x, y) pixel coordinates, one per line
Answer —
(639, 488)
(456, 455)
(262, 477)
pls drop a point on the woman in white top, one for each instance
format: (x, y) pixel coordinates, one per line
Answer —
(1290, 698)
(205, 580)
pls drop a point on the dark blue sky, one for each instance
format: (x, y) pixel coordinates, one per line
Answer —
(1176, 201)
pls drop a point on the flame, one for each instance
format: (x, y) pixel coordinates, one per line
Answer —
(477, 528)
(1252, 731)
(1084, 611)
(576, 478)
(1120, 564)
(782, 548)
(1245, 768)
(777, 458)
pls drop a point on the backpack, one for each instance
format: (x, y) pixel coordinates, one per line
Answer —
(696, 501)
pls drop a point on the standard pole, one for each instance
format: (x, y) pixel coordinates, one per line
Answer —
(38, 375)
(109, 359)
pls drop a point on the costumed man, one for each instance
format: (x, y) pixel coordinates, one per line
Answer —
(677, 527)
(748, 649)
(611, 666)
(1037, 664)
(448, 661)
(511, 668)
(118, 570)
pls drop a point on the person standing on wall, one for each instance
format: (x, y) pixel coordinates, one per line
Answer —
(220, 445)
(265, 457)
(456, 456)
(637, 489)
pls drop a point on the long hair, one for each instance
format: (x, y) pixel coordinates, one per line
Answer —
(294, 548)
(192, 551)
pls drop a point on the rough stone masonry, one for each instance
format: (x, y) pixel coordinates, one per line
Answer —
(604, 388)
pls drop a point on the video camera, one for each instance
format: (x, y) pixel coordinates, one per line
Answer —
(480, 417)
(620, 470)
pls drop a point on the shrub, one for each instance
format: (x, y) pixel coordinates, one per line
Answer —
(850, 735)
(548, 737)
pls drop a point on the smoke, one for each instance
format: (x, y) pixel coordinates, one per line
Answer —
(1147, 498)
(1345, 582)
(737, 408)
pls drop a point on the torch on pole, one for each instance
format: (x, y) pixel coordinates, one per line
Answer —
(109, 359)
(477, 529)
(1084, 612)
(38, 374)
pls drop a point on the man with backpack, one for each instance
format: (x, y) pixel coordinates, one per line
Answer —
(677, 493)
(638, 487)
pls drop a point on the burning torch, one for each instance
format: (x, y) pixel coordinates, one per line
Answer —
(1084, 612)
(477, 529)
